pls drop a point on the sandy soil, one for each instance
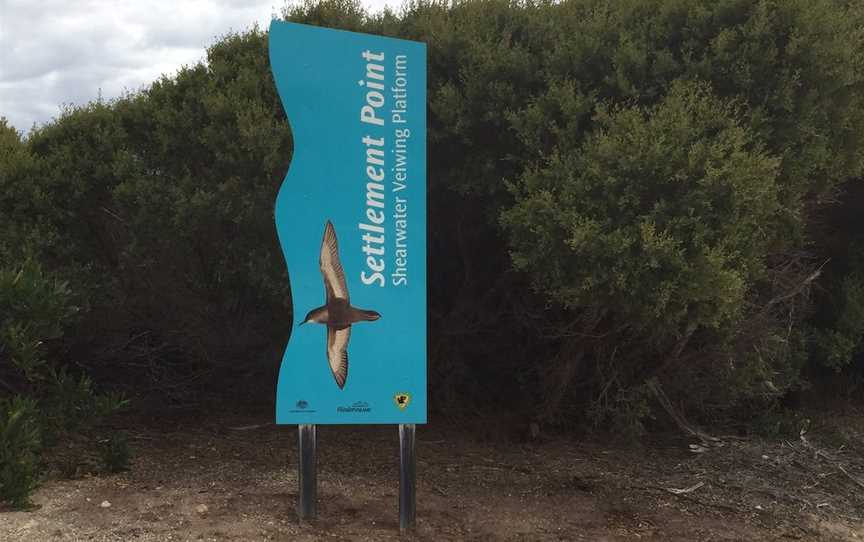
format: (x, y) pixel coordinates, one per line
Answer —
(226, 481)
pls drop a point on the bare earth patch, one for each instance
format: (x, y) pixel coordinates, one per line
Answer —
(213, 482)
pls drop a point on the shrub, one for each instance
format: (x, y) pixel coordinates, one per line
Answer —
(620, 191)
(48, 402)
(19, 448)
(34, 308)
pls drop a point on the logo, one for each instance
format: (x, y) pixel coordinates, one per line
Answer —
(301, 406)
(359, 406)
(402, 400)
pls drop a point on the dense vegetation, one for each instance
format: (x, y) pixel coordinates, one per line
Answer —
(633, 204)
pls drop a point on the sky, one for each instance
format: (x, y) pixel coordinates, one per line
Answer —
(70, 52)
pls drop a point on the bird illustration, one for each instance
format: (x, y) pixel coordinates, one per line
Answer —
(337, 311)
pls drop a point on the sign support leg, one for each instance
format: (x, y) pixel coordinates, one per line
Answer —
(407, 478)
(308, 473)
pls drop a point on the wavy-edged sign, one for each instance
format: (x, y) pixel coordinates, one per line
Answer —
(351, 219)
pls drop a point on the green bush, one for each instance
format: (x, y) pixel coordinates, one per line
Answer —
(164, 200)
(48, 404)
(672, 202)
(34, 308)
(19, 448)
(620, 191)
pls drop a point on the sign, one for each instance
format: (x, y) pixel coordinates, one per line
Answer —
(351, 219)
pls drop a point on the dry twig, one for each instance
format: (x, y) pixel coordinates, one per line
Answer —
(250, 427)
(856, 480)
(690, 489)
(705, 439)
(820, 453)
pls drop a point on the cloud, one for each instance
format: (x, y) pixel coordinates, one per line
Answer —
(62, 52)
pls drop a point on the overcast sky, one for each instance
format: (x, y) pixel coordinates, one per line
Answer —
(55, 52)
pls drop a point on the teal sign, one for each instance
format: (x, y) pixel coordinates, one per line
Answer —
(351, 219)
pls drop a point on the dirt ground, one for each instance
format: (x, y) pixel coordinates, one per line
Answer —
(225, 480)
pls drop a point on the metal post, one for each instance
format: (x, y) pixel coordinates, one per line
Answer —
(307, 478)
(407, 478)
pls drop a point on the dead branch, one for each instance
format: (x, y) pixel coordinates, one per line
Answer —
(250, 427)
(675, 355)
(564, 367)
(690, 489)
(691, 498)
(679, 419)
(796, 290)
(821, 453)
(856, 480)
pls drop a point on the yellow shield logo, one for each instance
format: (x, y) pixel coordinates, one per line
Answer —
(402, 400)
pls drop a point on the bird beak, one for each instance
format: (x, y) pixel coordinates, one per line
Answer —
(301, 323)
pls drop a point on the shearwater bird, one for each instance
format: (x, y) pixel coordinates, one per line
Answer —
(337, 311)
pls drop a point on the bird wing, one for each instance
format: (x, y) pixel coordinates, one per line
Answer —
(331, 267)
(337, 353)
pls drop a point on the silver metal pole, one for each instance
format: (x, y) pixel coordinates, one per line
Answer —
(407, 478)
(307, 507)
